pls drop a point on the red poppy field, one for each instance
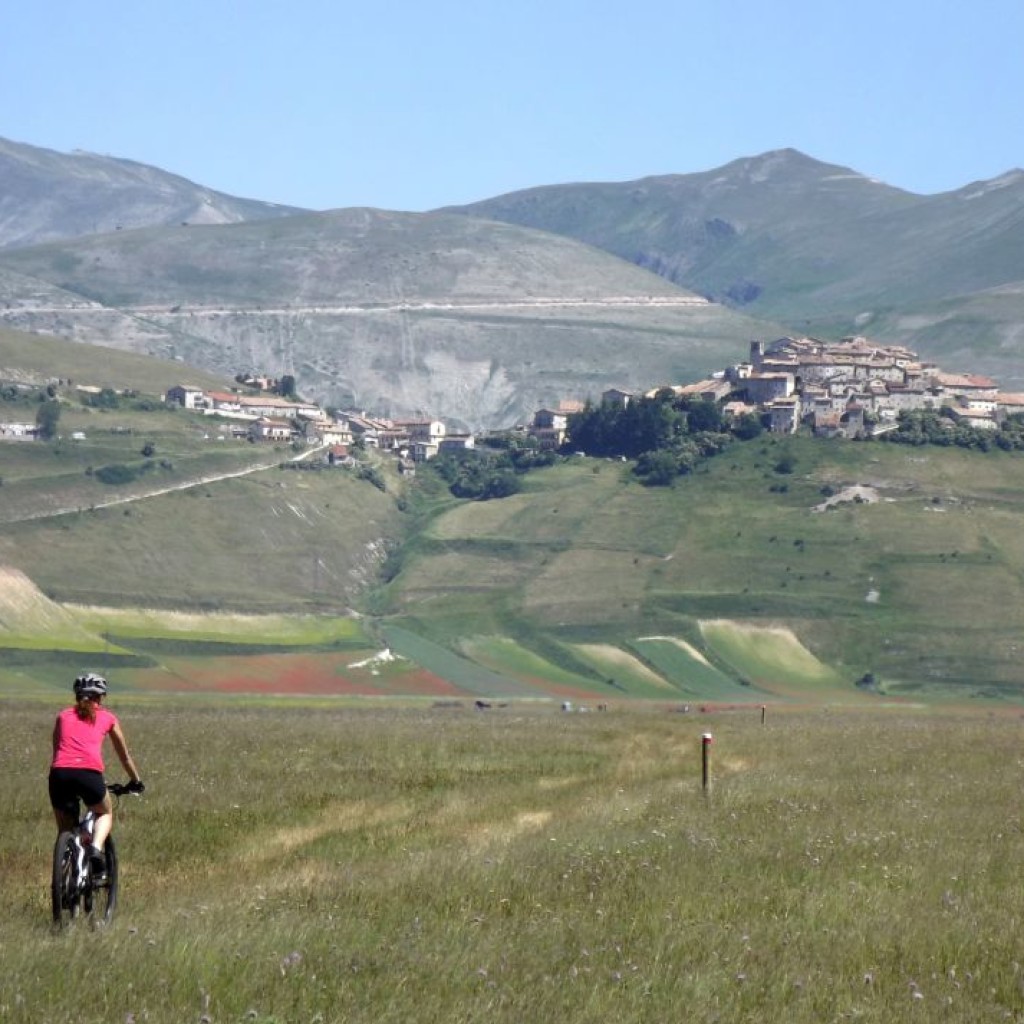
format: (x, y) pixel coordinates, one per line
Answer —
(292, 675)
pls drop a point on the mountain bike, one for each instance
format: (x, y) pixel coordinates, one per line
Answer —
(74, 891)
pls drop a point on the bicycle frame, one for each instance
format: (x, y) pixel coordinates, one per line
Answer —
(82, 833)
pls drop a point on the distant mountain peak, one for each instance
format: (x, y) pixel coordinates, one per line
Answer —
(786, 165)
(980, 188)
(48, 196)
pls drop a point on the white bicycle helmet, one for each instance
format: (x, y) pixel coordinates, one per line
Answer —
(90, 685)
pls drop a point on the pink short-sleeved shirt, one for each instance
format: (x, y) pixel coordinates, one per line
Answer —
(80, 742)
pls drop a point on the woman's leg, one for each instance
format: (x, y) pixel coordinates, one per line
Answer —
(104, 822)
(65, 821)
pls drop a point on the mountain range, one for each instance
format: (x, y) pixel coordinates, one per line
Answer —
(816, 246)
(481, 313)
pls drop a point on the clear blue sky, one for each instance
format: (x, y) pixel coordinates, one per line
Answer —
(412, 105)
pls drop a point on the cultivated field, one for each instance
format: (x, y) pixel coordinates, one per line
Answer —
(327, 862)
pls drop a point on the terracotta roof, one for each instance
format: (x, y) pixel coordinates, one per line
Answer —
(964, 380)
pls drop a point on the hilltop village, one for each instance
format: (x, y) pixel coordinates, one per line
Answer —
(851, 388)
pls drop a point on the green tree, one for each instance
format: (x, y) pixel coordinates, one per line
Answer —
(748, 426)
(703, 415)
(657, 468)
(47, 417)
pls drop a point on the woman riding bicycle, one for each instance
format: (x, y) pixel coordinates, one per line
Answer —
(76, 772)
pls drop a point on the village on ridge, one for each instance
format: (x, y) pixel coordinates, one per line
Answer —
(849, 388)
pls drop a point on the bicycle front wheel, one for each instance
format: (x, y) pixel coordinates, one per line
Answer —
(65, 894)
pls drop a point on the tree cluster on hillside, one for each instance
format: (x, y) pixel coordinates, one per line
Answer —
(117, 474)
(485, 473)
(105, 398)
(666, 434)
(923, 427)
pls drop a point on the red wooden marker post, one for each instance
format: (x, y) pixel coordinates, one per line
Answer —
(705, 761)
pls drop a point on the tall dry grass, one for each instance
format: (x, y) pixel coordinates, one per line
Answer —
(524, 864)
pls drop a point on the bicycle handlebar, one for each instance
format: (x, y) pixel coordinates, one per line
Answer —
(126, 788)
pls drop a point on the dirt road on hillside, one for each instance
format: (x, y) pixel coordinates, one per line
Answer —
(184, 311)
(156, 492)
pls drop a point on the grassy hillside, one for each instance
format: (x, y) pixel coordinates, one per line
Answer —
(38, 358)
(736, 586)
(275, 541)
(191, 520)
(67, 473)
(923, 589)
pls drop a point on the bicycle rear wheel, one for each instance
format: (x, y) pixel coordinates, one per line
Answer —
(65, 895)
(102, 899)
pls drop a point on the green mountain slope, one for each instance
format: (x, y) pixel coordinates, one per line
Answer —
(815, 245)
(205, 520)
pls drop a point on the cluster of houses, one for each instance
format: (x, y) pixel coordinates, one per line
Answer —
(266, 417)
(849, 388)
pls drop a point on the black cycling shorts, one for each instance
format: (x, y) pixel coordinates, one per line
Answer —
(69, 785)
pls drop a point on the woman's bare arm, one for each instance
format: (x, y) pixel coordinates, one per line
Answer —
(121, 747)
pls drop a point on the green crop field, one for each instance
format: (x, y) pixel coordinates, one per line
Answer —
(691, 671)
(508, 656)
(321, 861)
(772, 659)
(152, 624)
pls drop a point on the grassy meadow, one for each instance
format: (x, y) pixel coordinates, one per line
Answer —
(322, 861)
